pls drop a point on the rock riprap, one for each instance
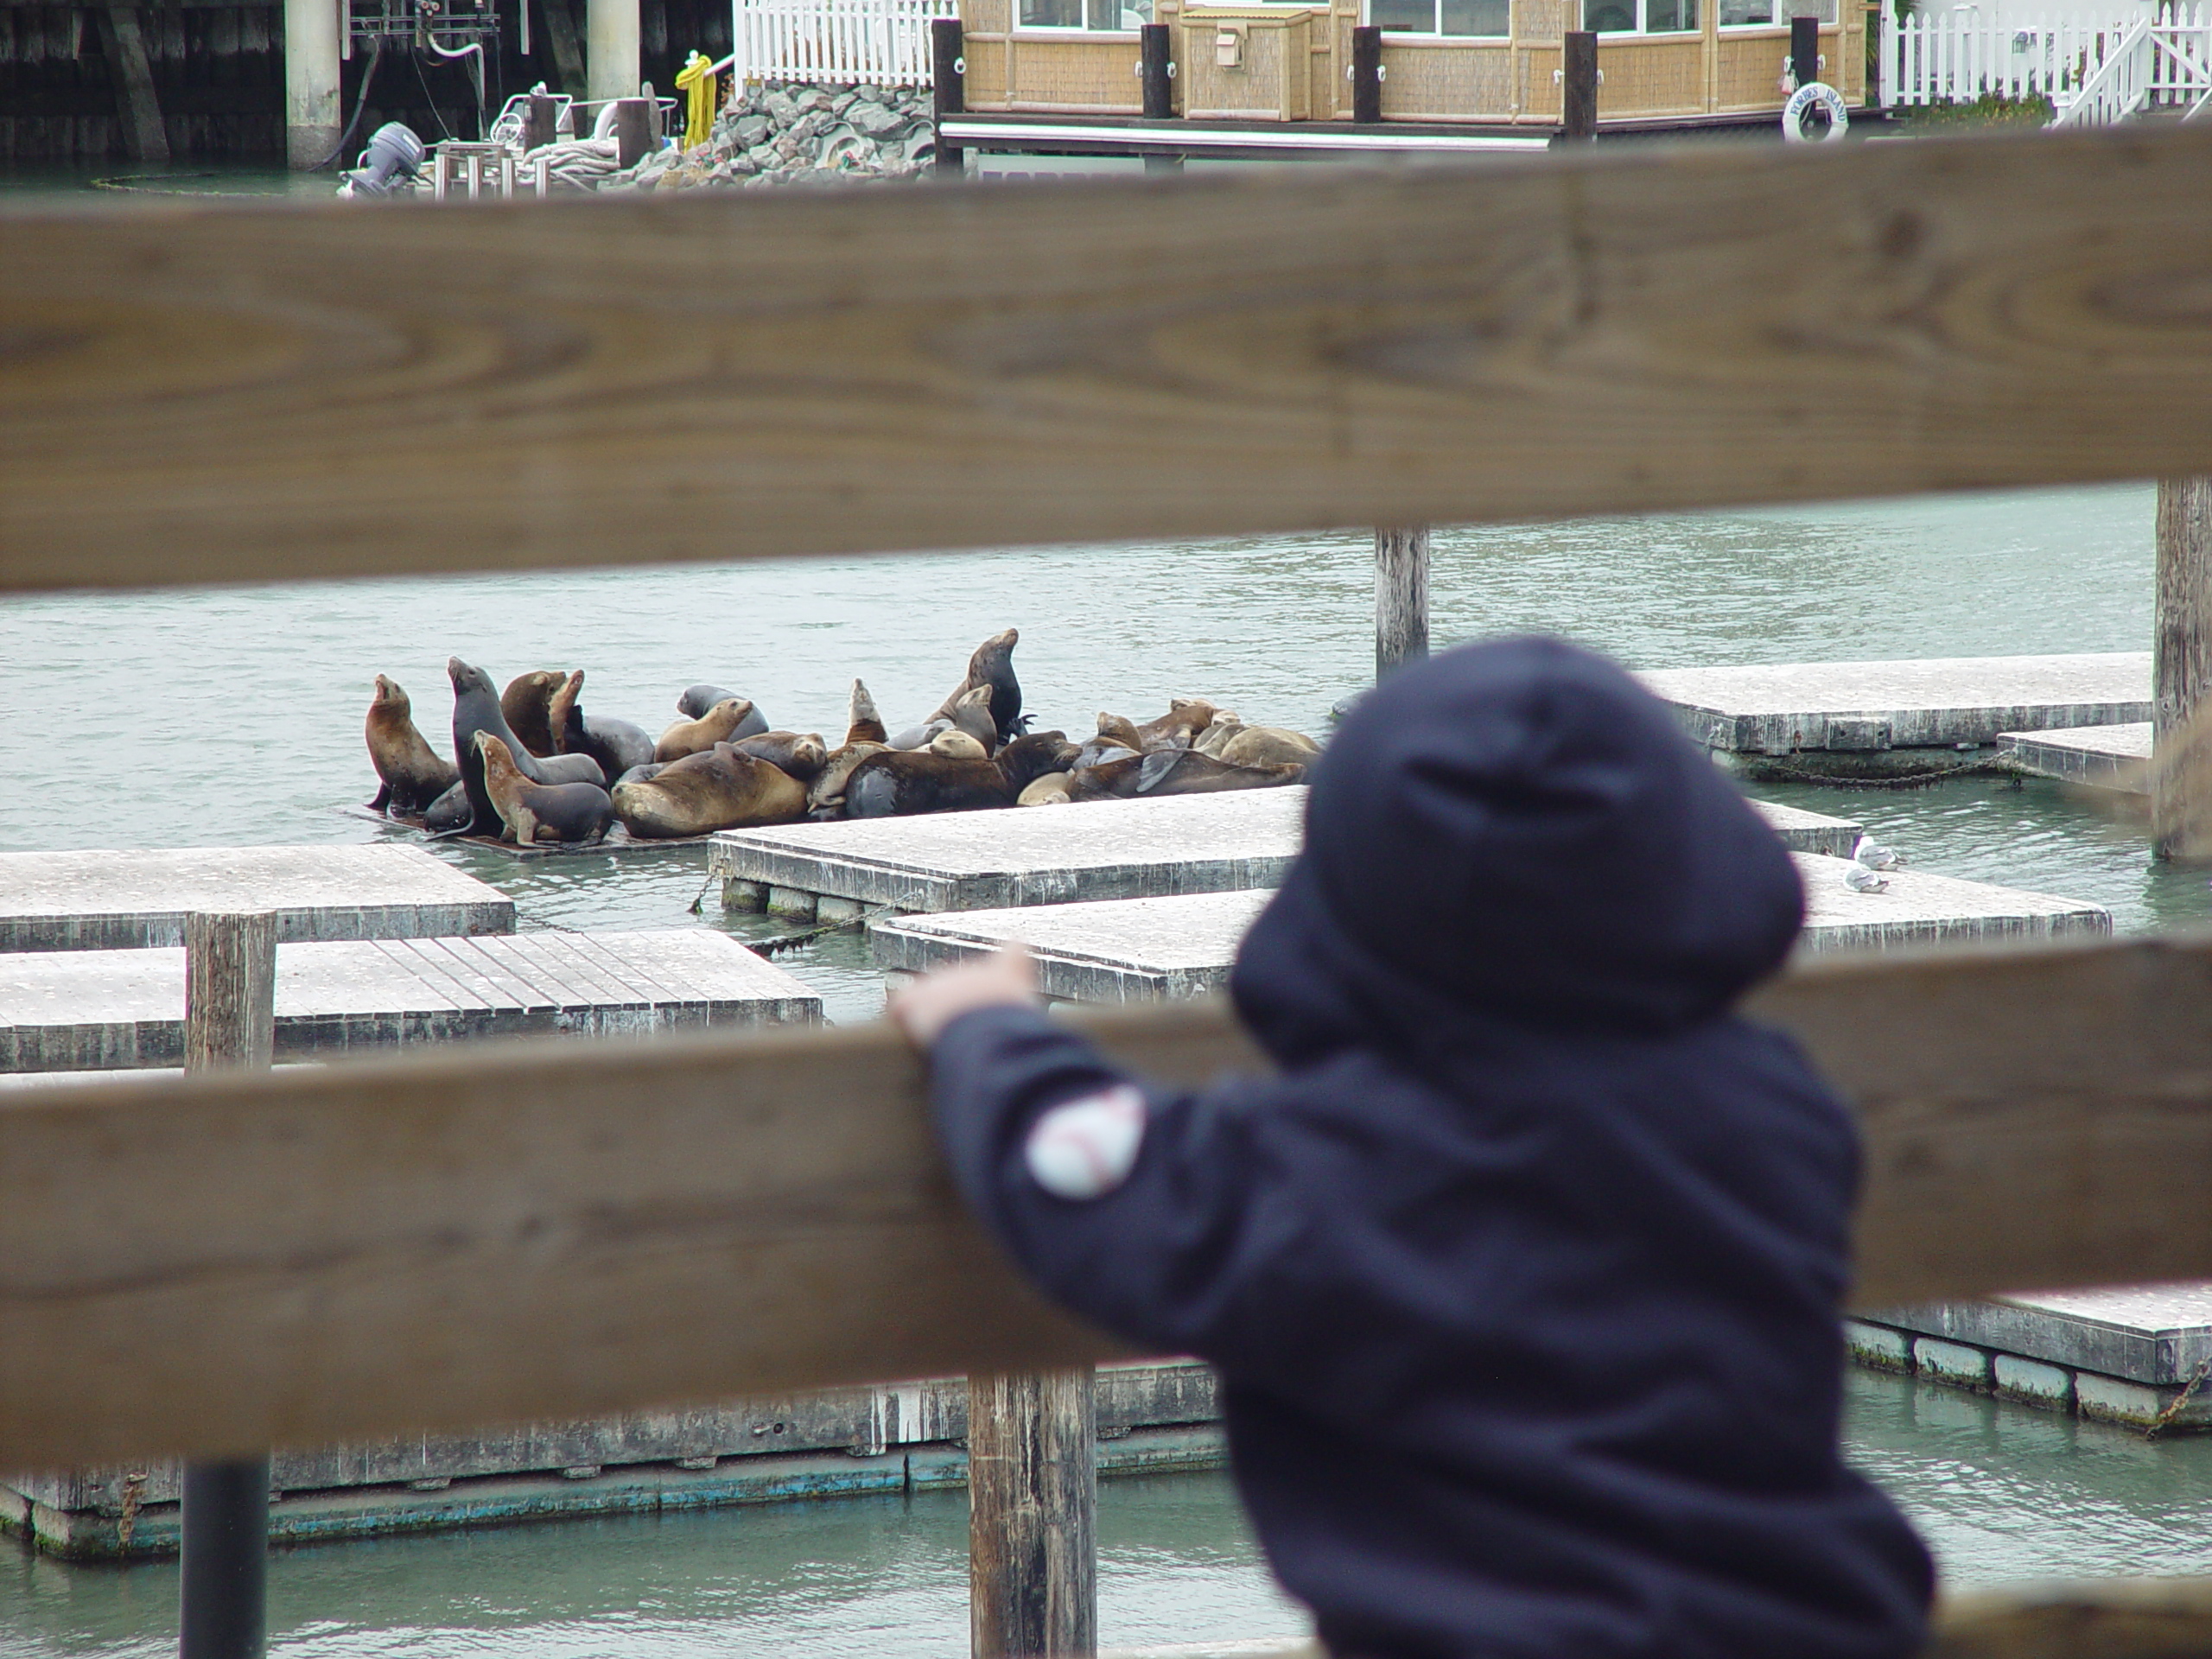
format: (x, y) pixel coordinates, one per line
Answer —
(783, 133)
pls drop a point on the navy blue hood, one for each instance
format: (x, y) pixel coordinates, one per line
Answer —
(1516, 827)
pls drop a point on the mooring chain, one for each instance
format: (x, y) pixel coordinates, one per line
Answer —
(2175, 1406)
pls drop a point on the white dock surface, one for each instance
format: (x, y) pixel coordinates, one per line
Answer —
(80, 1010)
(2157, 1335)
(116, 900)
(1130, 950)
(1934, 702)
(2106, 757)
(1019, 857)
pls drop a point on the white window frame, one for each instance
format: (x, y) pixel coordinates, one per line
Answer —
(1071, 31)
(1781, 24)
(1640, 32)
(1436, 15)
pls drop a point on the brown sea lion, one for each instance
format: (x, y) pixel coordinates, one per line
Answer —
(1051, 790)
(825, 795)
(992, 664)
(972, 714)
(1179, 726)
(1224, 725)
(1269, 745)
(697, 699)
(863, 724)
(617, 744)
(535, 812)
(900, 782)
(476, 708)
(525, 704)
(800, 753)
(721, 788)
(1120, 730)
(718, 725)
(956, 745)
(1174, 772)
(413, 774)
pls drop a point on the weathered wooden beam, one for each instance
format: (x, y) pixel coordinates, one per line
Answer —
(227, 392)
(2181, 671)
(1033, 1522)
(563, 1229)
(145, 136)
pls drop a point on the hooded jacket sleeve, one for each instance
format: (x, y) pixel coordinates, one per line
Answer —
(1157, 1258)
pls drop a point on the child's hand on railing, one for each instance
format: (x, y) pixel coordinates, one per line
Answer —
(1006, 978)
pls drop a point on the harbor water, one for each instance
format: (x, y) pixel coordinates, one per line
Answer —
(234, 716)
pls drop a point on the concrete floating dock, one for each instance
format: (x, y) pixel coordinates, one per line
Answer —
(1137, 949)
(1152, 1416)
(1940, 702)
(110, 900)
(1061, 854)
(2138, 1357)
(65, 1011)
(2105, 757)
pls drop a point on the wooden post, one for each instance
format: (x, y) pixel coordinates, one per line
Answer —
(313, 120)
(1367, 73)
(1805, 49)
(1033, 1495)
(1578, 82)
(948, 90)
(1155, 64)
(2181, 671)
(145, 136)
(567, 51)
(230, 1021)
(537, 122)
(1401, 598)
(633, 129)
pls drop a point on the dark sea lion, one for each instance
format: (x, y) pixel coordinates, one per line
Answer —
(617, 744)
(803, 754)
(476, 708)
(992, 664)
(694, 702)
(1174, 772)
(524, 703)
(413, 774)
(972, 714)
(448, 814)
(721, 788)
(536, 813)
(1269, 745)
(639, 774)
(898, 783)
(863, 724)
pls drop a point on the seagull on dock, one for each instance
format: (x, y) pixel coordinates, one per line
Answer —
(1875, 856)
(1861, 879)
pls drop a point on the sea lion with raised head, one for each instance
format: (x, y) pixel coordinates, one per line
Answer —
(862, 723)
(536, 813)
(718, 725)
(617, 744)
(898, 783)
(1174, 772)
(697, 699)
(720, 788)
(476, 708)
(992, 664)
(412, 773)
(525, 704)
(803, 754)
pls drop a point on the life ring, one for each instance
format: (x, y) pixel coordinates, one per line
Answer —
(1802, 101)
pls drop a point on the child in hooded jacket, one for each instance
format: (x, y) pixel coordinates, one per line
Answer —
(1523, 1275)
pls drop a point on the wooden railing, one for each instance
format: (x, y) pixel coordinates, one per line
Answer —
(199, 394)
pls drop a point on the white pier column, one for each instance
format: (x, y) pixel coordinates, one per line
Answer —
(611, 49)
(312, 122)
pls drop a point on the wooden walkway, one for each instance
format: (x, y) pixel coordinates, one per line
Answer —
(67, 1011)
(110, 900)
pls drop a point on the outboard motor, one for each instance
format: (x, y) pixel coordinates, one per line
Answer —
(389, 165)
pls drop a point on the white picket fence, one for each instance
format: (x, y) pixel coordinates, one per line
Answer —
(2095, 70)
(881, 42)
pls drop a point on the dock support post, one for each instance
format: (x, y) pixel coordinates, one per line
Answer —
(313, 121)
(633, 132)
(538, 129)
(567, 51)
(230, 1021)
(1367, 73)
(611, 49)
(1401, 598)
(1156, 72)
(1578, 86)
(1805, 50)
(1032, 1494)
(2181, 671)
(145, 136)
(948, 90)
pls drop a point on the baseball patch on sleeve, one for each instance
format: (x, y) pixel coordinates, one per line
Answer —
(1087, 1147)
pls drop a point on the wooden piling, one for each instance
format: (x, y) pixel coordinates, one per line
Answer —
(1155, 65)
(948, 89)
(313, 121)
(1578, 86)
(537, 121)
(611, 49)
(2181, 671)
(635, 129)
(230, 1021)
(1805, 49)
(1401, 598)
(1367, 73)
(1032, 1495)
(145, 134)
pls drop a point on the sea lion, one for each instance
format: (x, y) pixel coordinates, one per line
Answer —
(992, 664)
(640, 774)
(524, 703)
(476, 708)
(956, 745)
(1269, 746)
(1051, 790)
(1179, 726)
(863, 724)
(718, 725)
(920, 737)
(696, 700)
(897, 783)
(413, 774)
(1174, 772)
(448, 814)
(617, 744)
(972, 713)
(825, 795)
(801, 755)
(721, 788)
(1223, 725)
(535, 812)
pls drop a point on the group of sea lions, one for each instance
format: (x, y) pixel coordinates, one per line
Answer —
(530, 765)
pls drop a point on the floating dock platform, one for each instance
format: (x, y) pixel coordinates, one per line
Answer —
(1940, 702)
(106, 1010)
(1138, 949)
(2137, 1357)
(904, 1436)
(110, 900)
(2103, 757)
(1238, 840)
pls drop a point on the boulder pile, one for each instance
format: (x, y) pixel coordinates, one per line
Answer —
(786, 133)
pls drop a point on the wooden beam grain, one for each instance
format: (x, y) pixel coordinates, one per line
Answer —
(224, 393)
(562, 1230)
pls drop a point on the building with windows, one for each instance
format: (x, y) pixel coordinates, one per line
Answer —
(1482, 63)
